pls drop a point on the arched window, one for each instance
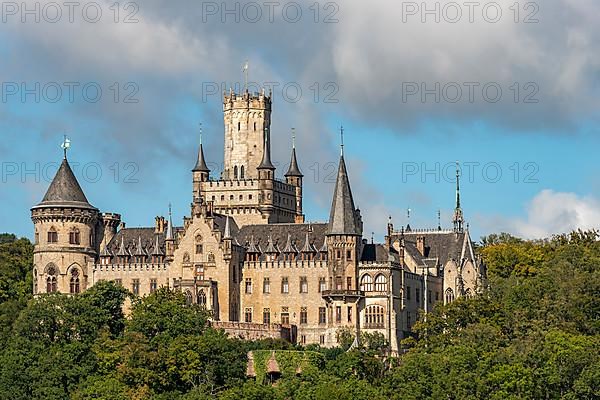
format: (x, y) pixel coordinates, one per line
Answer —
(188, 298)
(374, 317)
(255, 126)
(380, 283)
(366, 283)
(235, 171)
(201, 298)
(211, 258)
(469, 294)
(242, 172)
(51, 281)
(449, 296)
(186, 258)
(52, 235)
(74, 286)
(74, 237)
(239, 126)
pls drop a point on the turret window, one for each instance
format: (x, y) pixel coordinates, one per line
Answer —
(242, 171)
(74, 283)
(235, 172)
(201, 298)
(51, 282)
(74, 237)
(52, 235)
(449, 296)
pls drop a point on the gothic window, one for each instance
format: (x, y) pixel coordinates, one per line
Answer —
(199, 248)
(349, 313)
(51, 281)
(374, 317)
(366, 283)
(322, 315)
(338, 314)
(222, 197)
(303, 284)
(239, 126)
(211, 258)
(248, 315)
(74, 284)
(285, 285)
(349, 283)
(349, 255)
(449, 296)
(380, 283)
(266, 285)
(248, 285)
(135, 286)
(255, 126)
(235, 172)
(188, 298)
(153, 285)
(242, 172)
(186, 258)
(266, 316)
(468, 294)
(74, 237)
(303, 316)
(201, 298)
(285, 316)
(52, 235)
(322, 285)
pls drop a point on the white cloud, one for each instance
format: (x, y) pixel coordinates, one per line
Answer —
(549, 213)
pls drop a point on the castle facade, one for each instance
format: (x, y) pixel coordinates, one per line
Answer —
(246, 253)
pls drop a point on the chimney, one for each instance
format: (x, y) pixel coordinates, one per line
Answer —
(421, 245)
(159, 226)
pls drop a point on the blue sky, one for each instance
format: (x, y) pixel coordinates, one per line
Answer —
(168, 61)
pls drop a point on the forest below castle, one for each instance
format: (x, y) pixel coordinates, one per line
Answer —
(534, 334)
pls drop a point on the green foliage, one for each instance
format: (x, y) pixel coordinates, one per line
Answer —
(535, 334)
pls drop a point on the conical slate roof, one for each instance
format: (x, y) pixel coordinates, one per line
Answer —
(266, 160)
(342, 219)
(64, 191)
(294, 170)
(201, 164)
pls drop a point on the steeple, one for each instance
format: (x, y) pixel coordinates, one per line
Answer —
(170, 235)
(200, 163)
(458, 219)
(65, 191)
(266, 160)
(293, 171)
(227, 234)
(342, 218)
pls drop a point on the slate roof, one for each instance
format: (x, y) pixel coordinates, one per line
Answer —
(378, 253)
(279, 234)
(131, 238)
(65, 191)
(342, 219)
(438, 244)
(294, 170)
(201, 164)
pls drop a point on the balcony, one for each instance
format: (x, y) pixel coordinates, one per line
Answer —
(342, 294)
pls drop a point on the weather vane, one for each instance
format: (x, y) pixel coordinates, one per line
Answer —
(66, 144)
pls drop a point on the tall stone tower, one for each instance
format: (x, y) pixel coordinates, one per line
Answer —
(247, 119)
(66, 242)
(344, 245)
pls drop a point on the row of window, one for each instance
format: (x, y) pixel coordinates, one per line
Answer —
(285, 285)
(52, 281)
(74, 237)
(374, 316)
(366, 283)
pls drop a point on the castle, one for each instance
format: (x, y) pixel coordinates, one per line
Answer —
(246, 253)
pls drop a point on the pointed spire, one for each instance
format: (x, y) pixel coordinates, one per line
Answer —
(200, 163)
(227, 234)
(266, 160)
(105, 251)
(293, 171)
(342, 218)
(252, 246)
(157, 250)
(65, 191)
(288, 245)
(123, 252)
(271, 247)
(307, 248)
(170, 235)
(342, 140)
(140, 251)
(458, 218)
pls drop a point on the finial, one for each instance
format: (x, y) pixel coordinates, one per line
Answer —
(439, 215)
(457, 185)
(170, 210)
(66, 144)
(342, 140)
(200, 125)
(245, 68)
(293, 138)
(372, 237)
(408, 214)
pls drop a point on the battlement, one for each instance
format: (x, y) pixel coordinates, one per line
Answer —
(281, 264)
(426, 230)
(247, 100)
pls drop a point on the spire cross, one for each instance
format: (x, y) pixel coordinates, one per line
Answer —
(66, 144)
(342, 140)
